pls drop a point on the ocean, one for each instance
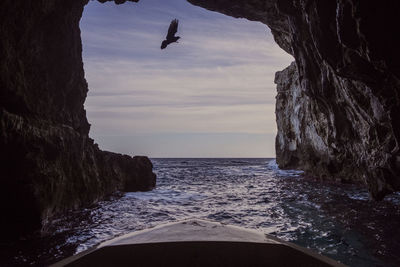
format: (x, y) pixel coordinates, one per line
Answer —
(337, 220)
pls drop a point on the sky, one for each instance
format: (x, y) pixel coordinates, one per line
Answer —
(210, 95)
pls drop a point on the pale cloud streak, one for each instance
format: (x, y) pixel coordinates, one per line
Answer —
(217, 80)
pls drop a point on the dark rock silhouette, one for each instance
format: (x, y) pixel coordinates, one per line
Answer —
(171, 38)
(338, 104)
(48, 163)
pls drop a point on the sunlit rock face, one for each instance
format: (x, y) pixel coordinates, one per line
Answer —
(338, 105)
(48, 163)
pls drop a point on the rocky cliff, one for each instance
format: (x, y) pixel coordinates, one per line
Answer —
(338, 104)
(48, 163)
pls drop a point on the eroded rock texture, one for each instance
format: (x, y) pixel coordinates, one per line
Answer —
(48, 163)
(338, 105)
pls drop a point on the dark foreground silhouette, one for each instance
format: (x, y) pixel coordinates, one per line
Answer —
(198, 243)
(171, 38)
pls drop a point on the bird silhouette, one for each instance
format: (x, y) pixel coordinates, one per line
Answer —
(171, 38)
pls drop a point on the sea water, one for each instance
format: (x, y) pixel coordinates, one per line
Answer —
(339, 221)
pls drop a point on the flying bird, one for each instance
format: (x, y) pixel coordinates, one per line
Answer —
(171, 38)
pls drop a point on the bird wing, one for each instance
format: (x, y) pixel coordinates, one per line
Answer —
(173, 28)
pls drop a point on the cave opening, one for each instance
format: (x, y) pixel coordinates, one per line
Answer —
(210, 95)
(51, 168)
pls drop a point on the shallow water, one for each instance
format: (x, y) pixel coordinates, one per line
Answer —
(337, 220)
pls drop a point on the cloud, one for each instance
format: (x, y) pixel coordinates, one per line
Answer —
(218, 79)
(191, 145)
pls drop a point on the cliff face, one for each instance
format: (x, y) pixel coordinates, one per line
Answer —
(48, 163)
(338, 105)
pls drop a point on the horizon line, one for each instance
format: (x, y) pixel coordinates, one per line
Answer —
(211, 157)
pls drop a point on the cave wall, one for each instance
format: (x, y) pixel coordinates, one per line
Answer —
(338, 104)
(48, 163)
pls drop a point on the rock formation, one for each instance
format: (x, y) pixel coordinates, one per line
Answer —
(48, 163)
(338, 104)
